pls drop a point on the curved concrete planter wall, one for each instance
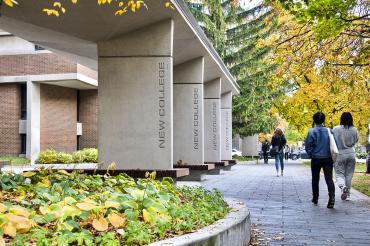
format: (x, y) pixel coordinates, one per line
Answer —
(233, 230)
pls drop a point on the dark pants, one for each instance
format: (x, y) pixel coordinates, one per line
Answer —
(286, 155)
(327, 165)
(265, 157)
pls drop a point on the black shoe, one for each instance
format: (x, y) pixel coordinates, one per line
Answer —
(314, 201)
(331, 203)
(345, 192)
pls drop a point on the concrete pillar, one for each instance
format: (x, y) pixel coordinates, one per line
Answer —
(226, 125)
(188, 112)
(33, 121)
(135, 98)
(251, 146)
(212, 121)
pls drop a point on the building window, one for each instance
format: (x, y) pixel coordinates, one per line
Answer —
(23, 144)
(23, 101)
(38, 47)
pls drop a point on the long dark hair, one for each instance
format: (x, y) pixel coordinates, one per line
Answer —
(346, 120)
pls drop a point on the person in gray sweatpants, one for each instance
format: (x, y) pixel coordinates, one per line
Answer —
(346, 137)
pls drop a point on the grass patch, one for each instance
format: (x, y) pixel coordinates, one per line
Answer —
(16, 161)
(360, 167)
(307, 163)
(59, 208)
(244, 158)
(361, 183)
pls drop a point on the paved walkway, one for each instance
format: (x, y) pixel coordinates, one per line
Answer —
(281, 206)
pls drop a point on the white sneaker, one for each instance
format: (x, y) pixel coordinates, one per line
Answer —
(348, 198)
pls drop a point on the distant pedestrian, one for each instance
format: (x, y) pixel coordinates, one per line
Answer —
(346, 137)
(318, 149)
(277, 146)
(286, 152)
(265, 151)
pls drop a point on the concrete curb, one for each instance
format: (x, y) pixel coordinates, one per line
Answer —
(233, 230)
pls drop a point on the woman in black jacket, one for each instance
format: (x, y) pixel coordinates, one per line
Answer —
(278, 142)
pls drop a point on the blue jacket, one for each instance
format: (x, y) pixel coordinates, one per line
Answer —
(317, 143)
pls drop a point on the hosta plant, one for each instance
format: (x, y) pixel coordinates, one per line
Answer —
(60, 208)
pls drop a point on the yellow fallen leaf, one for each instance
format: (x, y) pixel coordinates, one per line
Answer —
(9, 229)
(28, 174)
(15, 219)
(24, 226)
(85, 206)
(112, 204)
(2, 241)
(148, 218)
(19, 211)
(116, 220)
(100, 224)
(3, 208)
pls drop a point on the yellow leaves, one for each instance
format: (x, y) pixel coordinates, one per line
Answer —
(28, 174)
(57, 4)
(100, 224)
(74, 1)
(51, 12)
(10, 230)
(112, 204)
(121, 11)
(117, 220)
(19, 211)
(147, 216)
(16, 223)
(169, 5)
(3, 208)
(2, 241)
(104, 1)
(86, 206)
(10, 3)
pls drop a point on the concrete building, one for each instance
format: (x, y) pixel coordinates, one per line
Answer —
(164, 93)
(46, 101)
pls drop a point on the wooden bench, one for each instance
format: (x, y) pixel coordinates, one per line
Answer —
(139, 173)
(221, 165)
(198, 172)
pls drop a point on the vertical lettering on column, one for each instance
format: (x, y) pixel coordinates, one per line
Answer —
(196, 118)
(227, 130)
(214, 126)
(161, 105)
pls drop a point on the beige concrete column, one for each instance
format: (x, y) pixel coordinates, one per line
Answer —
(135, 98)
(212, 121)
(33, 121)
(226, 125)
(188, 112)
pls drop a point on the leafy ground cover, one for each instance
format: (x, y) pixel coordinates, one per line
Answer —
(50, 156)
(60, 208)
(16, 161)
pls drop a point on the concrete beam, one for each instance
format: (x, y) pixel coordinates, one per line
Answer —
(188, 112)
(212, 121)
(135, 98)
(33, 121)
(226, 125)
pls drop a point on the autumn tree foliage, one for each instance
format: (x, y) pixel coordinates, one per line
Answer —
(236, 33)
(328, 74)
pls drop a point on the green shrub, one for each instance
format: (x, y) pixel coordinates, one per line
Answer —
(89, 155)
(51, 156)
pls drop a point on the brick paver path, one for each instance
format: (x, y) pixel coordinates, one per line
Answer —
(281, 206)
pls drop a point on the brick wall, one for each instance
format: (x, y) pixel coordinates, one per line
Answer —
(58, 118)
(10, 108)
(44, 63)
(89, 118)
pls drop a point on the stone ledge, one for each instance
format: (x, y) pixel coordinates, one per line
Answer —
(233, 230)
(204, 167)
(219, 163)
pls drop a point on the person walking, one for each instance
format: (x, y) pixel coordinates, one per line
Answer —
(346, 137)
(317, 145)
(277, 146)
(286, 152)
(265, 150)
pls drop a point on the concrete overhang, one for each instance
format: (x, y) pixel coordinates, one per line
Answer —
(76, 33)
(70, 80)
